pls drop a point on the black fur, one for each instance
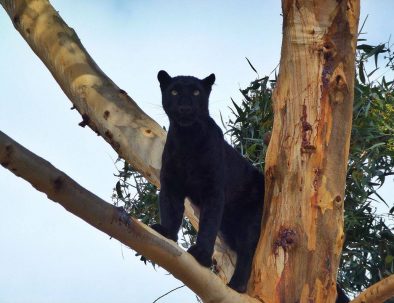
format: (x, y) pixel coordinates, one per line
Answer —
(341, 296)
(198, 163)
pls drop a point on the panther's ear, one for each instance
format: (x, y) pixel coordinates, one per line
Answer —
(209, 81)
(164, 78)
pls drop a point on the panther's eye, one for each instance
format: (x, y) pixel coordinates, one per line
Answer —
(174, 92)
(196, 92)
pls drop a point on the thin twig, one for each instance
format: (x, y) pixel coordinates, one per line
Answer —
(168, 293)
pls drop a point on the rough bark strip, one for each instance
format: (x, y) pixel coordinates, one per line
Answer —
(377, 293)
(115, 222)
(302, 233)
(104, 107)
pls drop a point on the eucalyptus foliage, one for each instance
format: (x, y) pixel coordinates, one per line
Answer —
(368, 252)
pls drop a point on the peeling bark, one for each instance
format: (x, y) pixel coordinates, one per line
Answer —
(302, 234)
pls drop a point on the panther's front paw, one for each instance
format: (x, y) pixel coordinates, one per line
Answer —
(201, 255)
(163, 231)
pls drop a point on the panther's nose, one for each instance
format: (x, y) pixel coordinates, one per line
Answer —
(184, 109)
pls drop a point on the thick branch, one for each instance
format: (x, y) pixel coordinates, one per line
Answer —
(377, 293)
(114, 222)
(104, 107)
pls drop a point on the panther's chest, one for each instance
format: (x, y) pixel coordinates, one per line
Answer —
(190, 171)
(192, 174)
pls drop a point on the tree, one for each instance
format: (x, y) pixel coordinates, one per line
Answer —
(111, 113)
(368, 248)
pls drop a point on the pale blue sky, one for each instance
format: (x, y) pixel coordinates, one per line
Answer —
(48, 255)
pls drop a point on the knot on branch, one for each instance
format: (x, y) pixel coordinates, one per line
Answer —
(271, 172)
(338, 201)
(286, 239)
(329, 53)
(108, 134)
(121, 217)
(85, 120)
(306, 130)
(7, 157)
(317, 178)
(58, 183)
(110, 138)
(122, 92)
(338, 88)
(147, 132)
(106, 115)
(16, 21)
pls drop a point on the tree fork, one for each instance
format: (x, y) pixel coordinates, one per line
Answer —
(299, 249)
(302, 233)
(104, 107)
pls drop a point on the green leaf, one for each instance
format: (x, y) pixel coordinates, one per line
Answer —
(238, 109)
(365, 47)
(361, 72)
(371, 73)
(389, 259)
(119, 189)
(376, 145)
(250, 64)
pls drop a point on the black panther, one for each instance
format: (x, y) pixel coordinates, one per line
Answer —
(198, 163)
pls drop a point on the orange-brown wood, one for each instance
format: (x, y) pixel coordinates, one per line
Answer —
(302, 233)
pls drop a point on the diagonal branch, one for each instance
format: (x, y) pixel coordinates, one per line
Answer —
(377, 293)
(104, 107)
(114, 222)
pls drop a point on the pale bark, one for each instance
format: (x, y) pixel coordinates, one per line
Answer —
(115, 222)
(377, 293)
(302, 233)
(104, 107)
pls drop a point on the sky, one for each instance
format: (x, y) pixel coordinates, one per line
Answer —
(46, 253)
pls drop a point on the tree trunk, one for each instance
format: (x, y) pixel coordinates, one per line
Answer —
(302, 233)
